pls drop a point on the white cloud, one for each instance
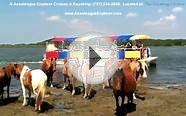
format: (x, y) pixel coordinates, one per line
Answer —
(160, 11)
(171, 17)
(131, 14)
(75, 25)
(53, 18)
(162, 21)
(177, 9)
(79, 24)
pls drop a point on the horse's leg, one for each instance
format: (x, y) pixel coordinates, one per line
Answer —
(134, 96)
(40, 98)
(130, 98)
(73, 85)
(109, 82)
(85, 88)
(37, 103)
(48, 79)
(116, 99)
(1, 91)
(2, 95)
(51, 79)
(8, 87)
(123, 99)
(24, 97)
(90, 90)
(24, 94)
(64, 81)
(105, 84)
(29, 97)
(36, 100)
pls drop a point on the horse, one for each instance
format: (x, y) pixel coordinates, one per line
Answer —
(108, 71)
(5, 78)
(34, 81)
(49, 67)
(145, 68)
(124, 83)
(69, 71)
(72, 69)
(86, 74)
(139, 68)
(65, 74)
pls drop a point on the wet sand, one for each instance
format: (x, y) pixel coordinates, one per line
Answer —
(58, 102)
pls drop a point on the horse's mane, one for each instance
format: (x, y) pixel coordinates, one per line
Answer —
(46, 65)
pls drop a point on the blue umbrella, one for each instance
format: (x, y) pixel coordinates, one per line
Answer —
(124, 37)
(70, 39)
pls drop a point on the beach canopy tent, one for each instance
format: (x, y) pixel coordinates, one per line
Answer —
(118, 38)
(140, 37)
(62, 39)
(111, 37)
(124, 37)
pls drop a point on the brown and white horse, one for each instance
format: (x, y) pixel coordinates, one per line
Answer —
(49, 67)
(125, 82)
(5, 78)
(34, 81)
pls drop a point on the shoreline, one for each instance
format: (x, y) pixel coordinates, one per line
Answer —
(57, 101)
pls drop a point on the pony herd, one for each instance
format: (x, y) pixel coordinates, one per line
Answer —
(123, 82)
(35, 81)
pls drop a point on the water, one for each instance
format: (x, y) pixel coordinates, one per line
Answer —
(171, 66)
(170, 69)
(29, 56)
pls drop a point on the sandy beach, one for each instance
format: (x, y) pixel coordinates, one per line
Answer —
(159, 101)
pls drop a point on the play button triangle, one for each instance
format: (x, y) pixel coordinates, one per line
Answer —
(93, 57)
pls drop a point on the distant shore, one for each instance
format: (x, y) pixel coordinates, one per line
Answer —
(151, 42)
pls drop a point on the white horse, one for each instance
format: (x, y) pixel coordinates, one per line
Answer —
(34, 81)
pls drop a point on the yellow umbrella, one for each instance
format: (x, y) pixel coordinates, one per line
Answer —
(140, 37)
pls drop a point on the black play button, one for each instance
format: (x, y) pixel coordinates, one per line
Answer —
(93, 57)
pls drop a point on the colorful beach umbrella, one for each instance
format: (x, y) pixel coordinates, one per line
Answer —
(110, 37)
(140, 37)
(58, 39)
(70, 39)
(124, 37)
(88, 37)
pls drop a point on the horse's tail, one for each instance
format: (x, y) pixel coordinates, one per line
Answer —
(41, 93)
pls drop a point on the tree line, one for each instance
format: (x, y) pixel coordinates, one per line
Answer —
(150, 42)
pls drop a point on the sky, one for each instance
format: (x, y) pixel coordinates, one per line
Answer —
(22, 23)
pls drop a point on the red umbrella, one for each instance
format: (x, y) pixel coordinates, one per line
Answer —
(111, 37)
(58, 39)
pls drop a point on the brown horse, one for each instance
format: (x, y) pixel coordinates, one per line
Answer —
(5, 78)
(49, 67)
(124, 83)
